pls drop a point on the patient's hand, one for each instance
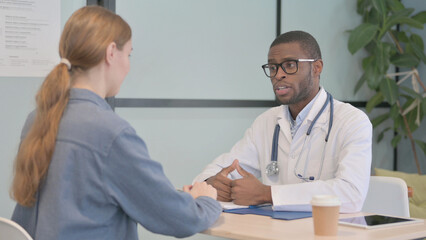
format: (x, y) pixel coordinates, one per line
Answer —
(222, 183)
(201, 189)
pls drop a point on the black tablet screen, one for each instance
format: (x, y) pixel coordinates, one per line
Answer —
(374, 220)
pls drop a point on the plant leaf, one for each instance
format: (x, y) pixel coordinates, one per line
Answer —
(407, 97)
(372, 16)
(410, 116)
(421, 144)
(380, 6)
(401, 36)
(389, 90)
(373, 73)
(416, 43)
(397, 16)
(397, 122)
(409, 21)
(421, 17)
(414, 38)
(382, 133)
(395, 5)
(376, 121)
(360, 82)
(403, 12)
(374, 101)
(413, 105)
(424, 105)
(362, 7)
(411, 92)
(404, 60)
(381, 60)
(402, 17)
(411, 119)
(414, 49)
(361, 36)
(367, 61)
(394, 112)
(396, 140)
(374, 77)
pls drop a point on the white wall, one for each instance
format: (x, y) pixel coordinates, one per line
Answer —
(199, 48)
(16, 101)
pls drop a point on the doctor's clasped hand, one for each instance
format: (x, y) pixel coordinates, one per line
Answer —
(222, 183)
(247, 190)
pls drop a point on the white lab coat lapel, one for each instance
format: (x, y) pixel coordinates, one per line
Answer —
(290, 150)
(284, 143)
(282, 120)
(312, 159)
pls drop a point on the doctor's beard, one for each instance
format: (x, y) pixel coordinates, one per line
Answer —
(305, 88)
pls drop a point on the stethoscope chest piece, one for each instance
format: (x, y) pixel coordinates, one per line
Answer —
(272, 168)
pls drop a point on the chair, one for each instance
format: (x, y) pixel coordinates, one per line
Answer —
(387, 196)
(12, 231)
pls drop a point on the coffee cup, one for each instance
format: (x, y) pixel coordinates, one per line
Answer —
(325, 212)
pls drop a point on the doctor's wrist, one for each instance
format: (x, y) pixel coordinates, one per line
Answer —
(267, 195)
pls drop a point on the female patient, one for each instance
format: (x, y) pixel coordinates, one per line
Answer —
(81, 171)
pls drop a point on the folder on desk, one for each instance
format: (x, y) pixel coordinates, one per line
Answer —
(267, 210)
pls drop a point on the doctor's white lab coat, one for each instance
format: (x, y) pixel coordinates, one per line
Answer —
(347, 160)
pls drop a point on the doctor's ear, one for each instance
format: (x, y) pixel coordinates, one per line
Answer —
(317, 67)
(110, 52)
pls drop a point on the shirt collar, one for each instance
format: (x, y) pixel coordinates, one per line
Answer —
(295, 124)
(302, 115)
(318, 103)
(87, 95)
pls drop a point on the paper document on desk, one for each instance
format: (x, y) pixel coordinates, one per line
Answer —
(231, 205)
(266, 210)
(287, 208)
(293, 207)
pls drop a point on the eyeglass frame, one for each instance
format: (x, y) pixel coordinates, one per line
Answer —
(281, 65)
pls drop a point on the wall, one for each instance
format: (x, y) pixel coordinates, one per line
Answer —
(16, 101)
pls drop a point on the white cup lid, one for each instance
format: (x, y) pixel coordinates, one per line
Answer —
(325, 200)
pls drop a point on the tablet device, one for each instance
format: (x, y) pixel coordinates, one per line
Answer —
(377, 221)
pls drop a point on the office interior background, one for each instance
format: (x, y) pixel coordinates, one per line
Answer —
(209, 50)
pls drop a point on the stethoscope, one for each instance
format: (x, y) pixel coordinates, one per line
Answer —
(272, 167)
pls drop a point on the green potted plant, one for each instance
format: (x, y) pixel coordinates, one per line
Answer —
(385, 34)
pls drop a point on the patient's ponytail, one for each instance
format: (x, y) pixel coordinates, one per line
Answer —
(83, 43)
(36, 149)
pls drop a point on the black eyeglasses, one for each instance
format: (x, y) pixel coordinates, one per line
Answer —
(288, 66)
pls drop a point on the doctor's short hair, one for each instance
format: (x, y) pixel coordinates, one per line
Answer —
(307, 42)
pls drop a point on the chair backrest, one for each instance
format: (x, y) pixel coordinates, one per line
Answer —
(12, 231)
(388, 196)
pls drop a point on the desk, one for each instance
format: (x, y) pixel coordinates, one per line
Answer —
(248, 227)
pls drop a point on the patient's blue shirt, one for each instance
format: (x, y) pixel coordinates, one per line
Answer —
(101, 182)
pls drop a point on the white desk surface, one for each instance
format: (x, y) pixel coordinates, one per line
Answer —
(236, 226)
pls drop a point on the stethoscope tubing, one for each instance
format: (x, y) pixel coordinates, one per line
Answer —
(275, 139)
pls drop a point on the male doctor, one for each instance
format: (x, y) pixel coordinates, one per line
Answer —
(322, 145)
